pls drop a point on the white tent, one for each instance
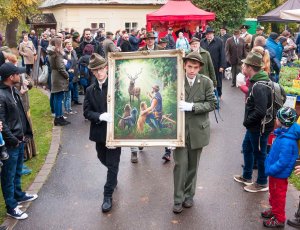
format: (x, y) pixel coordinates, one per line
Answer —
(290, 14)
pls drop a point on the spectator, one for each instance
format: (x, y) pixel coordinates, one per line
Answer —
(44, 44)
(272, 47)
(163, 42)
(120, 40)
(16, 130)
(150, 43)
(289, 49)
(259, 32)
(34, 39)
(134, 41)
(224, 35)
(85, 74)
(28, 51)
(109, 45)
(126, 46)
(182, 43)
(88, 39)
(171, 42)
(59, 79)
(75, 42)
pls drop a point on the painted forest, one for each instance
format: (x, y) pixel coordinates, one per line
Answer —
(139, 82)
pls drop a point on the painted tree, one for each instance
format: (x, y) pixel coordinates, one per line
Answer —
(229, 13)
(11, 12)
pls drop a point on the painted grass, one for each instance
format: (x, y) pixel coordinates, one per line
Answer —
(42, 128)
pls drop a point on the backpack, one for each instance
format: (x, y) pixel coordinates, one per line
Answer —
(84, 75)
(278, 99)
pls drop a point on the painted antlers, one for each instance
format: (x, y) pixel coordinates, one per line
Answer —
(136, 75)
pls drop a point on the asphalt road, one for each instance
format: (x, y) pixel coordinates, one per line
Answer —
(72, 196)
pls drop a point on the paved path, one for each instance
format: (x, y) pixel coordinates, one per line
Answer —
(72, 196)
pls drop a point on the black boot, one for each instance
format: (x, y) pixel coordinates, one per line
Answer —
(3, 153)
(60, 121)
(107, 204)
(296, 221)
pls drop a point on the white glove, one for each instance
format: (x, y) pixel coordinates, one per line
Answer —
(111, 147)
(171, 148)
(185, 106)
(106, 117)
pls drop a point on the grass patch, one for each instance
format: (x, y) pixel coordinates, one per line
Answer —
(42, 129)
(295, 180)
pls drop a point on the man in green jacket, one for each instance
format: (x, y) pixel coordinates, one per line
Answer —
(208, 67)
(199, 101)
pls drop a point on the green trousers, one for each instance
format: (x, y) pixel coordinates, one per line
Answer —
(185, 173)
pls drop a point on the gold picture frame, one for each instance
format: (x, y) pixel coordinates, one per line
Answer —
(144, 88)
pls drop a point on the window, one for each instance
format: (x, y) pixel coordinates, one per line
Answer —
(93, 25)
(102, 26)
(130, 25)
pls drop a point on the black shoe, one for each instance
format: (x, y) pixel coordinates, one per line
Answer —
(77, 103)
(177, 208)
(107, 204)
(294, 222)
(60, 121)
(3, 154)
(166, 157)
(188, 203)
(141, 148)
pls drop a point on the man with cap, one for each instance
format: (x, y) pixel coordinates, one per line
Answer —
(171, 42)
(235, 51)
(259, 99)
(16, 130)
(95, 110)
(259, 32)
(150, 43)
(199, 101)
(109, 45)
(214, 46)
(163, 43)
(208, 67)
(246, 36)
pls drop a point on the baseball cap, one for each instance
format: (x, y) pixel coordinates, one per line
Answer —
(8, 69)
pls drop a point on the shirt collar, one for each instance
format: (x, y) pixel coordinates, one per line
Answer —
(101, 83)
(190, 80)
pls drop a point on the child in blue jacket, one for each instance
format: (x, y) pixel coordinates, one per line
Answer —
(279, 165)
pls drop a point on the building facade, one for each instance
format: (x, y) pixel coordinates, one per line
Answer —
(100, 14)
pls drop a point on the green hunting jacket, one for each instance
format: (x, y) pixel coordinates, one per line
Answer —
(208, 67)
(197, 125)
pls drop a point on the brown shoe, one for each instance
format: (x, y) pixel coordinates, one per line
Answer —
(177, 208)
(188, 203)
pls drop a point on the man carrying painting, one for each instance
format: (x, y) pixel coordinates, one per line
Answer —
(199, 101)
(95, 110)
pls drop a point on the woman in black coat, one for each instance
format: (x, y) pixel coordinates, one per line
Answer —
(125, 46)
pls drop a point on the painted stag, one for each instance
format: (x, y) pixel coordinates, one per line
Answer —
(132, 89)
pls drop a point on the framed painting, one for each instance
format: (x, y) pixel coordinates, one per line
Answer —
(143, 91)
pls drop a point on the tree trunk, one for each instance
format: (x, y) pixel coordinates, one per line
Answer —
(11, 33)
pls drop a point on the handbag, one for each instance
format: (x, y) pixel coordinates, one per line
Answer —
(43, 77)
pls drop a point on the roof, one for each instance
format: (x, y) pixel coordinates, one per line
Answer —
(53, 3)
(180, 11)
(41, 19)
(274, 15)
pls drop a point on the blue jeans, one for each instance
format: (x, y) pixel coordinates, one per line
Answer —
(11, 176)
(255, 146)
(57, 102)
(74, 91)
(67, 101)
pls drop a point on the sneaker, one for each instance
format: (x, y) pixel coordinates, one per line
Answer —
(273, 223)
(17, 214)
(73, 112)
(267, 214)
(256, 188)
(27, 198)
(242, 180)
(177, 208)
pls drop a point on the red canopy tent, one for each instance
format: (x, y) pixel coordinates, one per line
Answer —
(178, 13)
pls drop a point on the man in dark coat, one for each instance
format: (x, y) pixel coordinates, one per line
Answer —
(134, 40)
(125, 46)
(224, 35)
(150, 43)
(170, 39)
(235, 51)
(215, 47)
(16, 130)
(88, 39)
(95, 110)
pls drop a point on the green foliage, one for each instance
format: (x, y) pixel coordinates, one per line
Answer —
(42, 128)
(230, 12)
(258, 7)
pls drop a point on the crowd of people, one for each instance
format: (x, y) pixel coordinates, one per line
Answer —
(78, 65)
